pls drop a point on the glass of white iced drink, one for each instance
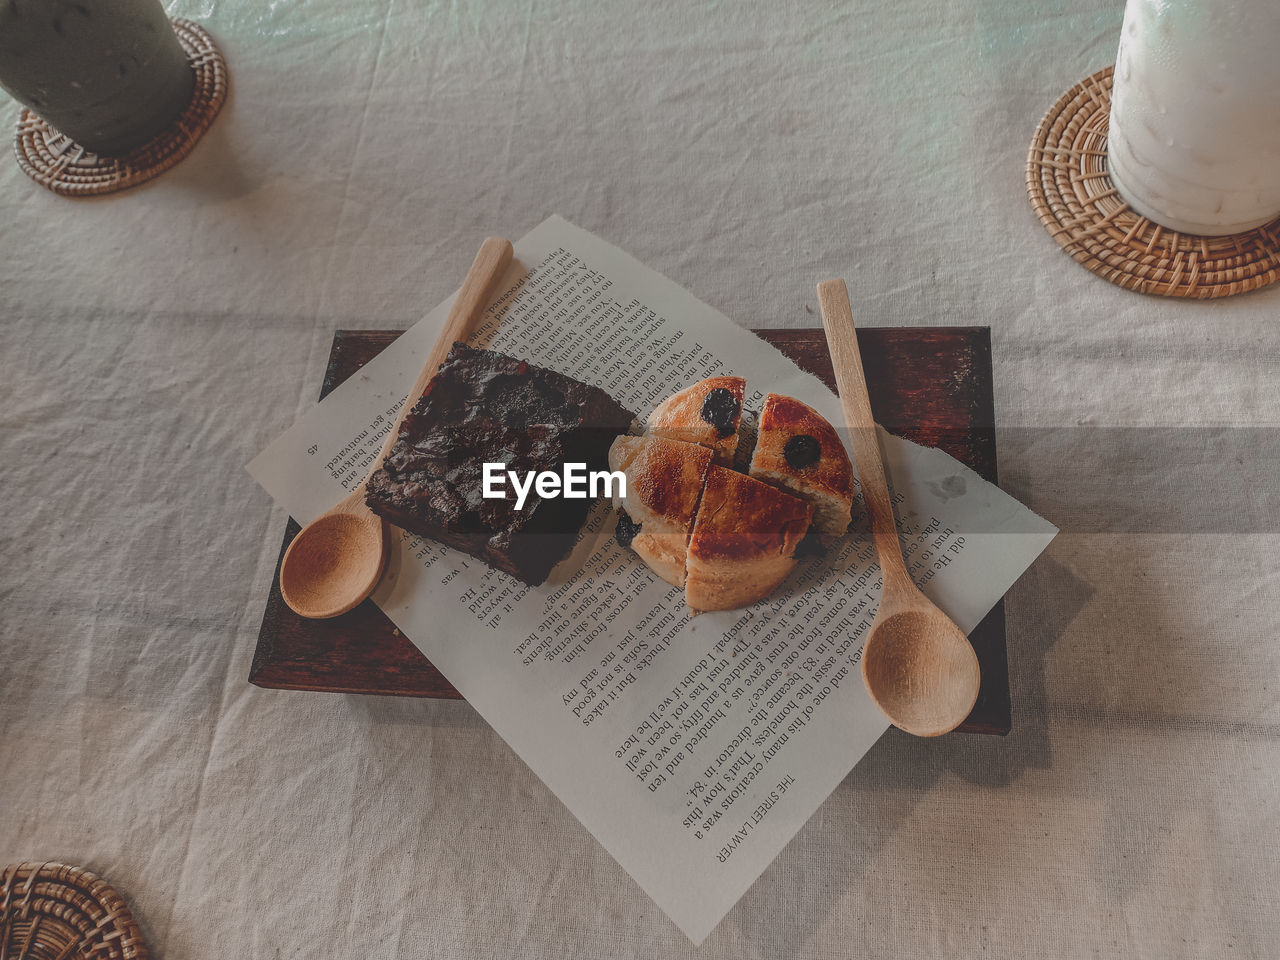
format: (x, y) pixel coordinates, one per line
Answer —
(1194, 136)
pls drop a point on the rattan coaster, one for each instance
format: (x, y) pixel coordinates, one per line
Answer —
(57, 162)
(1072, 193)
(50, 911)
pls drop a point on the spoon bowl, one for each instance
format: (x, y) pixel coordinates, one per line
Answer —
(921, 670)
(338, 558)
(334, 563)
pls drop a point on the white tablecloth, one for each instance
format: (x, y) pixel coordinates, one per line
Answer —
(154, 341)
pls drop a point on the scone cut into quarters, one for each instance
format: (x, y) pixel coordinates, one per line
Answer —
(707, 413)
(729, 537)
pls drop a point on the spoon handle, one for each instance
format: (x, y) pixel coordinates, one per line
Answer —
(464, 316)
(842, 341)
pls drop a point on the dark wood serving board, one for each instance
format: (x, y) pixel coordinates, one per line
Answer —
(929, 384)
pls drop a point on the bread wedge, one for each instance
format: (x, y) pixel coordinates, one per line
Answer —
(744, 541)
(798, 450)
(707, 413)
(664, 484)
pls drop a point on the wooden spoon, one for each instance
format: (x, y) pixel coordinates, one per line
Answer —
(338, 558)
(917, 665)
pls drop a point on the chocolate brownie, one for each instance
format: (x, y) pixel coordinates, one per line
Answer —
(485, 407)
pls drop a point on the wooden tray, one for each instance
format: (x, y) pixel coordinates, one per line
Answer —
(932, 385)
